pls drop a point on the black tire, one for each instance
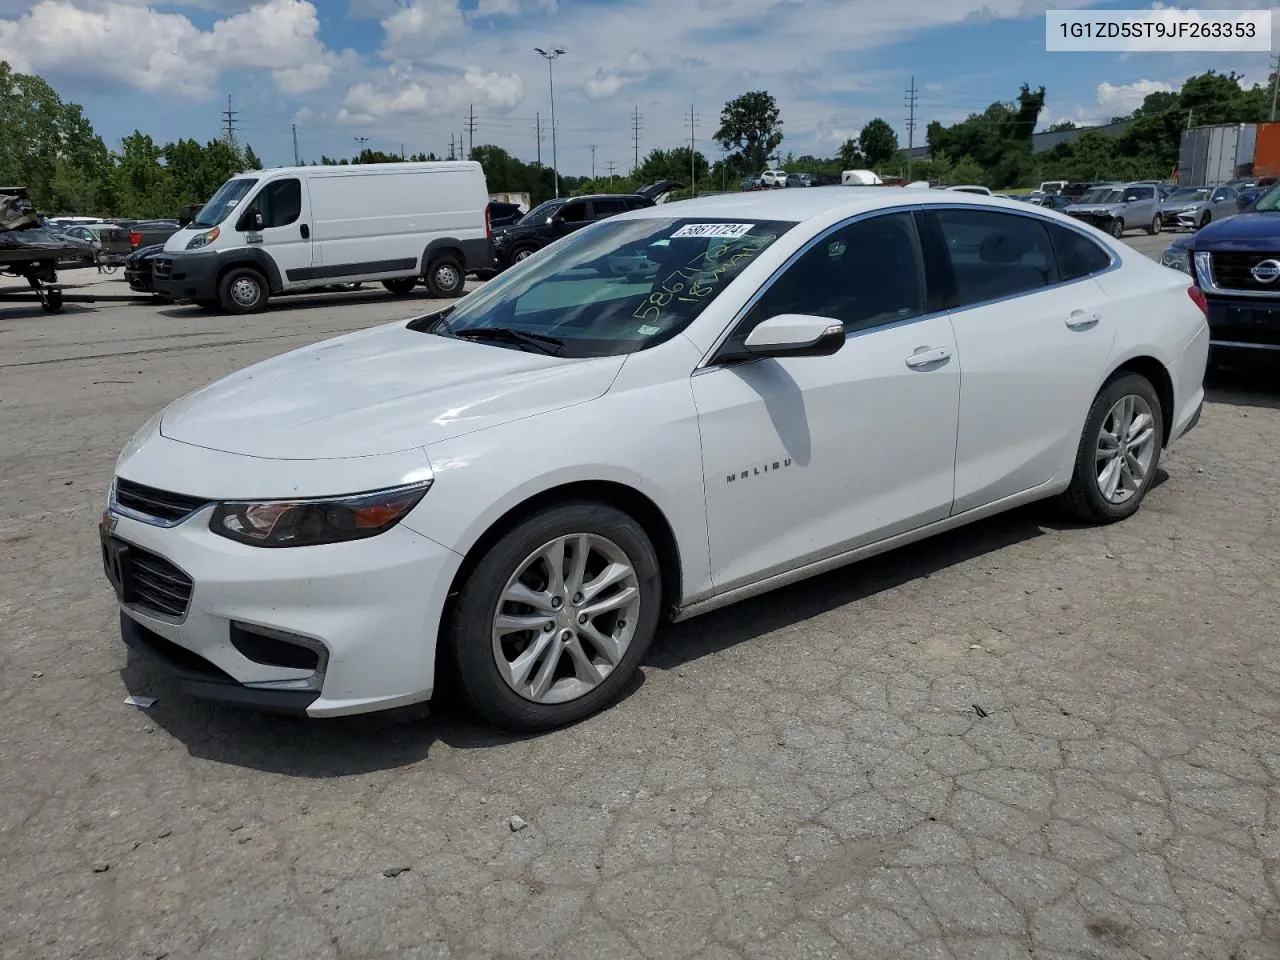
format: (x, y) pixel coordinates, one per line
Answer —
(521, 253)
(52, 302)
(445, 278)
(1117, 227)
(243, 290)
(1083, 497)
(401, 286)
(1204, 220)
(468, 635)
(1155, 226)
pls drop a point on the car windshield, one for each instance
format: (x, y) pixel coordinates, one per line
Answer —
(1270, 201)
(223, 202)
(540, 213)
(615, 287)
(1189, 193)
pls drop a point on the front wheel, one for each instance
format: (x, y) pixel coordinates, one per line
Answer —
(1156, 225)
(445, 278)
(1119, 451)
(243, 290)
(555, 618)
(1117, 227)
(1204, 220)
(401, 286)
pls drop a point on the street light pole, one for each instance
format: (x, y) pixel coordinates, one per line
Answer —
(551, 82)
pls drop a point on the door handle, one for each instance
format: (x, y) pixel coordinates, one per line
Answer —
(305, 231)
(927, 355)
(1080, 320)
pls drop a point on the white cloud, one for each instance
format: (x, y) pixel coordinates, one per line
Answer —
(404, 96)
(152, 51)
(413, 30)
(1121, 100)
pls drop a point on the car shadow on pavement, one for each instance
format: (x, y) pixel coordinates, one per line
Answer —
(1251, 384)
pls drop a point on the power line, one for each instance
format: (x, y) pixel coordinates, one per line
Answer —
(229, 118)
(635, 134)
(913, 96)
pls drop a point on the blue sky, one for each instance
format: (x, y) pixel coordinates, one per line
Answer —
(406, 72)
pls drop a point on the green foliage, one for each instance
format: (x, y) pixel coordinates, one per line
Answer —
(851, 157)
(751, 127)
(878, 143)
(967, 171)
(672, 165)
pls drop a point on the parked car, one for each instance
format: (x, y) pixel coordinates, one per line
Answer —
(1235, 264)
(549, 467)
(981, 191)
(1247, 196)
(263, 234)
(1054, 201)
(1191, 208)
(504, 214)
(138, 268)
(554, 219)
(659, 190)
(110, 242)
(1117, 209)
(799, 180)
(145, 233)
(1074, 191)
(774, 178)
(1053, 186)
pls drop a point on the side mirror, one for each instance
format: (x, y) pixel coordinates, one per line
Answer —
(795, 335)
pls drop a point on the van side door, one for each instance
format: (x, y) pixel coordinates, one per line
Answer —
(277, 220)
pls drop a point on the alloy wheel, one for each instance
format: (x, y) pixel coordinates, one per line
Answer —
(1125, 450)
(566, 618)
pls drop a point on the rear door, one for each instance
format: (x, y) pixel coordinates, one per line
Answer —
(277, 220)
(607, 207)
(1034, 331)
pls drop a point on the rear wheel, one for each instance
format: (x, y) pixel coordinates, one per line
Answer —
(555, 618)
(522, 253)
(1119, 451)
(243, 290)
(445, 278)
(1156, 225)
(1117, 227)
(1204, 220)
(401, 286)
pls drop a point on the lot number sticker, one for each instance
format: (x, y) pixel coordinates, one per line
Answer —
(731, 231)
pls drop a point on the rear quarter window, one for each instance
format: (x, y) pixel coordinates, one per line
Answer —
(1077, 255)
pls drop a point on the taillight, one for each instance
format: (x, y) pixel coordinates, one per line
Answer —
(488, 221)
(135, 239)
(1198, 298)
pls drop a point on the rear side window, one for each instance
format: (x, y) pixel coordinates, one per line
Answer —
(607, 208)
(1077, 255)
(574, 212)
(1140, 193)
(996, 254)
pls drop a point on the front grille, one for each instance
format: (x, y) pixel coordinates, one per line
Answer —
(162, 266)
(156, 584)
(1231, 270)
(151, 502)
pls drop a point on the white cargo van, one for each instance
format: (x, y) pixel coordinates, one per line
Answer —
(290, 229)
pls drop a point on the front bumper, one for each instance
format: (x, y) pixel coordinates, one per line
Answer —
(186, 276)
(1245, 323)
(138, 278)
(1100, 220)
(369, 609)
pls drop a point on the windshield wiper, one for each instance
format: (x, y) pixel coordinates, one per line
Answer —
(539, 341)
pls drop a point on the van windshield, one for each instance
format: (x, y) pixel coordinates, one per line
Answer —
(223, 202)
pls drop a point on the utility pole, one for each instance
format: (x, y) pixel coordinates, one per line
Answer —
(402, 153)
(362, 141)
(297, 161)
(611, 165)
(471, 130)
(1275, 85)
(724, 167)
(635, 135)
(913, 96)
(593, 161)
(537, 135)
(229, 118)
(693, 152)
(451, 156)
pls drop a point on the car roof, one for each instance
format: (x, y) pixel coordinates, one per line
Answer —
(801, 205)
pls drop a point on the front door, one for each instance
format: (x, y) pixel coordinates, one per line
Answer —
(277, 220)
(806, 457)
(1034, 331)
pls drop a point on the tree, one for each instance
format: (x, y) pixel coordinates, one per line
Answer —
(751, 126)
(878, 143)
(1061, 125)
(251, 161)
(671, 165)
(851, 157)
(967, 170)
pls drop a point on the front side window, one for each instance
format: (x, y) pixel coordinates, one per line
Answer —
(1223, 193)
(222, 203)
(1140, 193)
(613, 287)
(996, 254)
(280, 203)
(865, 274)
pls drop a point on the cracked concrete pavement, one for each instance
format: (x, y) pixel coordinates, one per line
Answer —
(1024, 739)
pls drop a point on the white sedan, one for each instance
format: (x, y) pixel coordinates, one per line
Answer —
(661, 414)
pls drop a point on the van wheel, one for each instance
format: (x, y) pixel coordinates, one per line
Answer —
(243, 290)
(554, 620)
(401, 286)
(445, 278)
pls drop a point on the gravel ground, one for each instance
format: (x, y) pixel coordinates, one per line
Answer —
(1022, 739)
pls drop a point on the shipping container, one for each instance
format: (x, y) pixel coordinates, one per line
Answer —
(1228, 151)
(1266, 155)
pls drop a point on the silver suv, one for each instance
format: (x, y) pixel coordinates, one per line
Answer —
(1116, 209)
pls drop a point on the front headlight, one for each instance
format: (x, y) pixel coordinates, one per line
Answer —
(309, 523)
(203, 239)
(1178, 258)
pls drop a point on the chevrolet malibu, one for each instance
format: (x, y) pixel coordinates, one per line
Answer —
(656, 416)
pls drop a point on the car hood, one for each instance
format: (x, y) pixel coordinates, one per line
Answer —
(379, 391)
(1104, 208)
(1245, 231)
